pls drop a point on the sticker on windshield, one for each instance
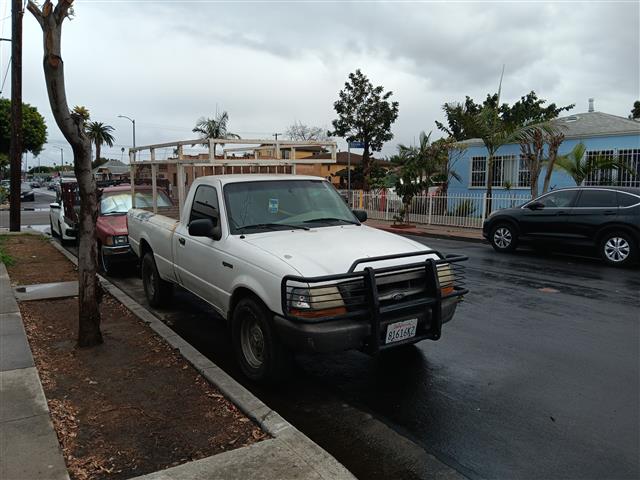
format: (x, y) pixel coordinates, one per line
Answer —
(273, 205)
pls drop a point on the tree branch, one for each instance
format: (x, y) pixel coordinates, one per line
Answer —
(62, 10)
(33, 8)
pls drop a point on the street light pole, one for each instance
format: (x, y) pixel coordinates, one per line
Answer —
(133, 122)
(62, 156)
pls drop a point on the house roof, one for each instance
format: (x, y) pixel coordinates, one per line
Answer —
(342, 158)
(587, 125)
(114, 166)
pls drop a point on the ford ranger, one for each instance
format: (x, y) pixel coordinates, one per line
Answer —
(291, 268)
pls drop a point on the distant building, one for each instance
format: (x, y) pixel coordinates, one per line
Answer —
(601, 133)
(112, 170)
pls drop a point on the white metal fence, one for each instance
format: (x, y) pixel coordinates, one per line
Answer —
(457, 210)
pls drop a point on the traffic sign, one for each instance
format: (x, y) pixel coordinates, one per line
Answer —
(356, 144)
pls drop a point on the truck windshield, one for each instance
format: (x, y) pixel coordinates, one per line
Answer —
(120, 202)
(265, 205)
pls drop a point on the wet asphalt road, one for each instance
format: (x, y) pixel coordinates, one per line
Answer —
(537, 376)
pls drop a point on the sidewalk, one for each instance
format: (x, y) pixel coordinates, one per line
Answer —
(28, 443)
(436, 231)
(29, 447)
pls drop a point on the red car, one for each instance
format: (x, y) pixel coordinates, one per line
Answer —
(111, 227)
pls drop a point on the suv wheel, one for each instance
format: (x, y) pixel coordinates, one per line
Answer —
(503, 238)
(261, 355)
(617, 249)
(157, 291)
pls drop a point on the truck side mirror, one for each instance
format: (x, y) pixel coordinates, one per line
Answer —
(535, 206)
(205, 227)
(54, 205)
(361, 215)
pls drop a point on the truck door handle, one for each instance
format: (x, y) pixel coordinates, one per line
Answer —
(609, 212)
(562, 212)
(182, 241)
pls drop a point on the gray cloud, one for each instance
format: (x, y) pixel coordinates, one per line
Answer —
(268, 64)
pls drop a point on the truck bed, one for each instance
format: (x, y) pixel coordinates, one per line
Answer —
(171, 212)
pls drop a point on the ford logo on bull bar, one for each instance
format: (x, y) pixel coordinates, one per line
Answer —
(397, 297)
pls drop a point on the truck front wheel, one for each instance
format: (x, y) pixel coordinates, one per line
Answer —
(157, 291)
(261, 355)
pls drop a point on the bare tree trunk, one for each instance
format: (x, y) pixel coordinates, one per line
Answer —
(72, 127)
(366, 167)
(554, 145)
(489, 183)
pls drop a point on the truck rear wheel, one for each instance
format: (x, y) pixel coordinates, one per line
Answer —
(157, 291)
(261, 355)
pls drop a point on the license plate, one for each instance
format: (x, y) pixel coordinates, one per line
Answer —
(396, 332)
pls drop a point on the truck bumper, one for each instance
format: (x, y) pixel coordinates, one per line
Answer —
(119, 254)
(349, 334)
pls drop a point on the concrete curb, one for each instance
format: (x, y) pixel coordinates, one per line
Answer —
(29, 446)
(298, 444)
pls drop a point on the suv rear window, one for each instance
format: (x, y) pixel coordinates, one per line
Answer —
(597, 198)
(626, 199)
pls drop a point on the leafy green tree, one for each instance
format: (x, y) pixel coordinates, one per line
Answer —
(365, 114)
(34, 128)
(635, 112)
(377, 177)
(41, 169)
(419, 167)
(527, 111)
(214, 127)
(100, 134)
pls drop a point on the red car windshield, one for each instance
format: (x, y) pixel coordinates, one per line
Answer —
(120, 202)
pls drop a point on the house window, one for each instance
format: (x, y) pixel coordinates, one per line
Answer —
(604, 176)
(629, 174)
(478, 171)
(504, 170)
(524, 175)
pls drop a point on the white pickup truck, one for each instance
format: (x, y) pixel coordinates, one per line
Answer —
(291, 268)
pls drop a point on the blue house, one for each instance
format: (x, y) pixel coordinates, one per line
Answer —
(601, 133)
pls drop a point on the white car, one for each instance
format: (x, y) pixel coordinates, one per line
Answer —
(291, 268)
(57, 223)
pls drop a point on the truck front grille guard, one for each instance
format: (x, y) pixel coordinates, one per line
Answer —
(408, 287)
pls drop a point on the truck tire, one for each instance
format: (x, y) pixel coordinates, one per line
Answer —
(618, 248)
(503, 238)
(261, 355)
(157, 291)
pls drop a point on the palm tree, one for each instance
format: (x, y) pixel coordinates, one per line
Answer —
(580, 166)
(100, 133)
(214, 127)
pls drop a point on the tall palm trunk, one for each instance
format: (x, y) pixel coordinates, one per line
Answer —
(98, 146)
(72, 127)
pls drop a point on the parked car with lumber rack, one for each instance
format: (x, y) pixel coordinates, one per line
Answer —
(291, 268)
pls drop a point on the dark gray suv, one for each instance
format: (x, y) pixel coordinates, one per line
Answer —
(607, 218)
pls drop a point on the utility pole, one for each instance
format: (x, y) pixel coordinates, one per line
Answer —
(15, 150)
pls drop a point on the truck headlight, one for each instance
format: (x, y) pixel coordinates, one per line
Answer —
(446, 279)
(118, 240)
(316, 302)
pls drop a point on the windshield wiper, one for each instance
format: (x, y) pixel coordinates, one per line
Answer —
(272, 226)
(331, 219)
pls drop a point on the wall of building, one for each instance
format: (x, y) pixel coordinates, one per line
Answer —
(462, 162)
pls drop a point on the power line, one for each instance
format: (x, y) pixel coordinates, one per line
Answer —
(5, 75)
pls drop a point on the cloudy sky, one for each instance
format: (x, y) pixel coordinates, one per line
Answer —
(166, 63)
